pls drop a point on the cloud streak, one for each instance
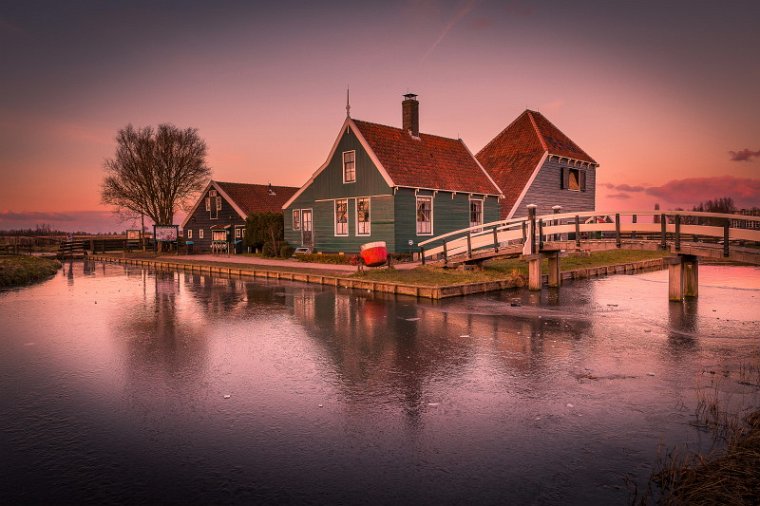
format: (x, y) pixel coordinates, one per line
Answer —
(461, 13)
(745, 155)
(691, 191)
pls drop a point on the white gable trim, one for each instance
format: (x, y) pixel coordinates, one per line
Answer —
(237, 208)
(501, 193)
(349, 123)
(222, 193)
(519, 200)
(197, 203)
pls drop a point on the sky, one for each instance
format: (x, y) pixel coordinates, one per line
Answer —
(664, 95)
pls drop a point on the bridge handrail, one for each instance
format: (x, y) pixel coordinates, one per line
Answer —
(476, 228)
(658, 212)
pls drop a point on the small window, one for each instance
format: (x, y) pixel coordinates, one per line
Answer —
(573, 179)
(238, 232)
(208, 203)
(341, 217)
(200, 233)
(363, 224)
(189, 233)
(212, 193)
(424, 215)
(219, 203)
(349, 167)
(296, 219)
(476, 213)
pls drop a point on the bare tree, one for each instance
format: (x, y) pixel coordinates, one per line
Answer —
(155, 172)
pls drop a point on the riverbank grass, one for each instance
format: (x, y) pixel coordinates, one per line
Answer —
(20, 270)
(514, 269)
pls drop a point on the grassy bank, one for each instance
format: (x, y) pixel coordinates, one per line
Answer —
(17, 270)
(730, 473)
(514, 269)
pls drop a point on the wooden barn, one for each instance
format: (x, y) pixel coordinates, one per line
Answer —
(533, 162)
(383, 183)
(217, 219)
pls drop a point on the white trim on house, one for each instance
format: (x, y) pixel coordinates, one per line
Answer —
(356, 216)
(482, 210)
(335, 217)
(431, 198)
(343, 159)
(202, 198)
(293, 220)
(348, 123)
(527, 185)
(501, 192)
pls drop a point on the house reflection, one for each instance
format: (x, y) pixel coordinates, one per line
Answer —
(398, 346)
(163, 345)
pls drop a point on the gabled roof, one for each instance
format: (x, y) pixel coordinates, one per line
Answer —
(257, 198)
(247, 198)
(428, 161)
(514, 155)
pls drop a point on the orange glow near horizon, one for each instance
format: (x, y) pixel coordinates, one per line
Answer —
(266, 91)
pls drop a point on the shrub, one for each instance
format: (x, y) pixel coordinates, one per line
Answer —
(269, 250)
(261, 228)
(286, 251)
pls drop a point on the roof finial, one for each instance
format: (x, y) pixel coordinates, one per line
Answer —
(348, 102)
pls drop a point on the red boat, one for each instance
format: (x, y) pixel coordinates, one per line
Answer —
(374, 254)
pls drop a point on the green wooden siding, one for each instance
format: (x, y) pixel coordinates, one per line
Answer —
(449, 214)
(329, 185)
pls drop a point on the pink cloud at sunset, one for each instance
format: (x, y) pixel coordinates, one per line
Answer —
(745, 155)
(265, 84)
(689, 192)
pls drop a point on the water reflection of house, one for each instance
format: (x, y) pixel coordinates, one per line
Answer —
(399, 345)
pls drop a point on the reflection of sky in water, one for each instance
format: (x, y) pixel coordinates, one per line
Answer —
(113, 385)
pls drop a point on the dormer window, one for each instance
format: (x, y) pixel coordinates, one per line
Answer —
(573, 179)
(349, 166)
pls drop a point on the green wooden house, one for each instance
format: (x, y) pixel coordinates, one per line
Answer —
(397, 185)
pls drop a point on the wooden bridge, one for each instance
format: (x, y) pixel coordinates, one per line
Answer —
(688, 235)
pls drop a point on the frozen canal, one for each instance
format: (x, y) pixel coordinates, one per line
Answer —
(124, 385)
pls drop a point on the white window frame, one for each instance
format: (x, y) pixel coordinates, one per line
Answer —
(335, 218)
(238, 232)
(368, 223)
(208, 204)
(416, 221)
(295, 222)
(353, 153)
(189, 233)
(218, 203)
(200, 233)
(482, 212)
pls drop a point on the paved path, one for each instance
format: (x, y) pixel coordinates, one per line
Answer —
(283, 263)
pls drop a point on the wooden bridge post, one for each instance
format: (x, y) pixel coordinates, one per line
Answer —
(633, 232)
(445, 254)
(532, 218)
(534, 272)
(469, 245)
(675, 278)
(577, 231)
(556, 209)
(690, 273)
(664, 232)
(422, 255)
(555, 279)
(726, 236)
(617, 230)
(540, 235)
(495, 240)
(678, 233)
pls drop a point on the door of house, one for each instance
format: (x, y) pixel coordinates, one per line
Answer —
(307, 236)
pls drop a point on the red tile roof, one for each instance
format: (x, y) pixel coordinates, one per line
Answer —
(427, 162)
(512, 156)
(256, 198)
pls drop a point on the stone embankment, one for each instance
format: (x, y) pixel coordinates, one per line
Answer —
(332, 279)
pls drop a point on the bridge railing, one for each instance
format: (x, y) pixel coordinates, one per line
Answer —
(667, 227)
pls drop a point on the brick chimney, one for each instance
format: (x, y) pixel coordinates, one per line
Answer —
(410, 116)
